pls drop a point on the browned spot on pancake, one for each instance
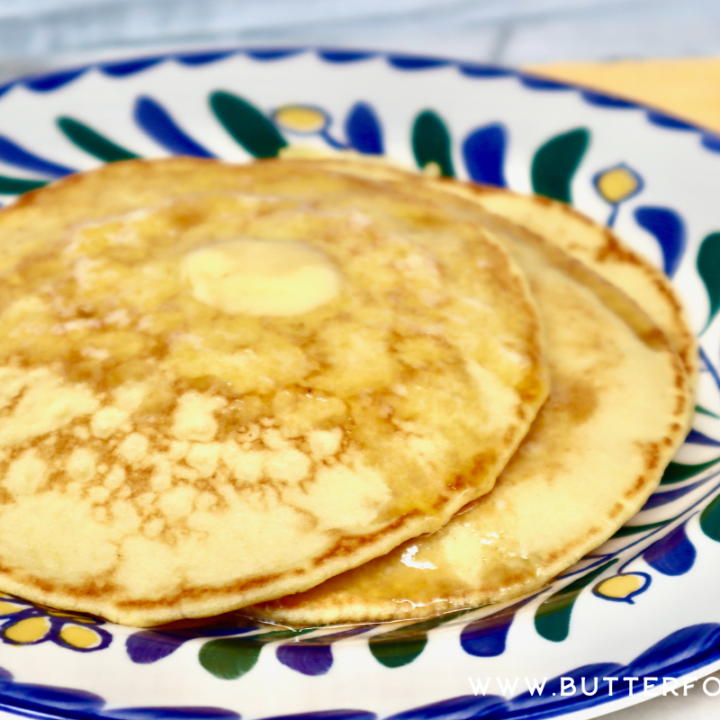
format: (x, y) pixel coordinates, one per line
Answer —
(655, 338)
(442, 499)
(613, 250)
(482, 465)
(533, 388)
(185, 216)
(640, 483)
(543, 200)
(651, 453)
(575, 398)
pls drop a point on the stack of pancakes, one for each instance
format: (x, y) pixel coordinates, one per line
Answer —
(322, 391)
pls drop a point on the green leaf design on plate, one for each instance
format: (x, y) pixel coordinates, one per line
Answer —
(705, 411)
(93, 142)
(231, 658)
(555, 163)
(637, 529)
(676, 472)
(247, 125)
(404, 645)
(708, 265)
(710, 520)
(431, 142)
(394, 654)
(552, 618)
(18, 186)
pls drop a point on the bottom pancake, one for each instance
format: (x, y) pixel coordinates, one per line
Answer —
(617, 411)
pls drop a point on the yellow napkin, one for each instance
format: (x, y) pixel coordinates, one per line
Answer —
(688, 88)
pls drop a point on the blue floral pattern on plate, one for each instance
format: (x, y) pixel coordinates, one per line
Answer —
(240, 104)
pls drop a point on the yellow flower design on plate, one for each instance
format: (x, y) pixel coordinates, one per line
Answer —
(622, 587)
(302, 119)
(616, 185)
(23, 623)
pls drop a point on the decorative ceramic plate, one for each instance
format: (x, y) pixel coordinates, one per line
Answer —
(642, 608)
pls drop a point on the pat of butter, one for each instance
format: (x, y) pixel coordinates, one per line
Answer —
(261, 277)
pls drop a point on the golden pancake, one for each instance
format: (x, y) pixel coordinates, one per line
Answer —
(598, 247)
(595, 245)
(617, 411)
(221, 384)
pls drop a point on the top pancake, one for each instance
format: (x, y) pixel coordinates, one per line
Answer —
(618, 408)
(169, 451)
